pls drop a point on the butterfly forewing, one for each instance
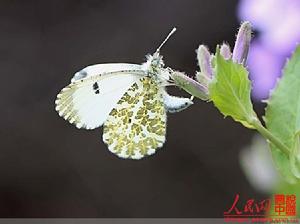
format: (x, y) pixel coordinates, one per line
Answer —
(136, 127)
(95, 70)
(88, 101)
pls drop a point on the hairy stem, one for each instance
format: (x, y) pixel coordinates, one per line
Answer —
(268, 135)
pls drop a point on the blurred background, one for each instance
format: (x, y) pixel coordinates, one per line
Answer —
(48, 168)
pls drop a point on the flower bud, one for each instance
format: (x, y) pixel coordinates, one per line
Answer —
(225, 51)
(190, 85)
(204, 62)
(242, 43)
(203, 79)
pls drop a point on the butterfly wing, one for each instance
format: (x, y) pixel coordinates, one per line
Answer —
(87, 102)
(98, 69)
(136, 127)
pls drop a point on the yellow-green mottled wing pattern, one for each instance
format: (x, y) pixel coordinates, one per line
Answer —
(136, 127)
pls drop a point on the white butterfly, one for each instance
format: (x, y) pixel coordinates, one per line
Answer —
(130, 100)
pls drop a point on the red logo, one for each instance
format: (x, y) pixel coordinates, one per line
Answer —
(256, 210)
(285, 205)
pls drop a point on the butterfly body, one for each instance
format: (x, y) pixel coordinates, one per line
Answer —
(129, 100)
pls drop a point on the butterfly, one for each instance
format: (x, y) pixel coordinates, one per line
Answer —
(129, 100)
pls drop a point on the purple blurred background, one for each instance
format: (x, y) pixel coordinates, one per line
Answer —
(277, 23)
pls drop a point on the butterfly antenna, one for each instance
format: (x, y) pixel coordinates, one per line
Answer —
(172, 31)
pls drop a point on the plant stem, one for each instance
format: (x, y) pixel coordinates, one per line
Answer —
(268, 135)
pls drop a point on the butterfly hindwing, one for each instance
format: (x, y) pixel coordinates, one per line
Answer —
(136, 127)
(87, 102)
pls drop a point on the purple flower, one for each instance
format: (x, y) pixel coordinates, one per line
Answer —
(265, 68)
(278, 24)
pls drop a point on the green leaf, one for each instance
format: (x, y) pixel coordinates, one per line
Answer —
(283, 118)
(294, 158)
(230, 91)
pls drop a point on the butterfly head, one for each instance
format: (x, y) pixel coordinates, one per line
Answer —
(154, 66)
(154, 62)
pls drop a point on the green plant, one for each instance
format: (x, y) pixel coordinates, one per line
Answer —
(223, 80)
